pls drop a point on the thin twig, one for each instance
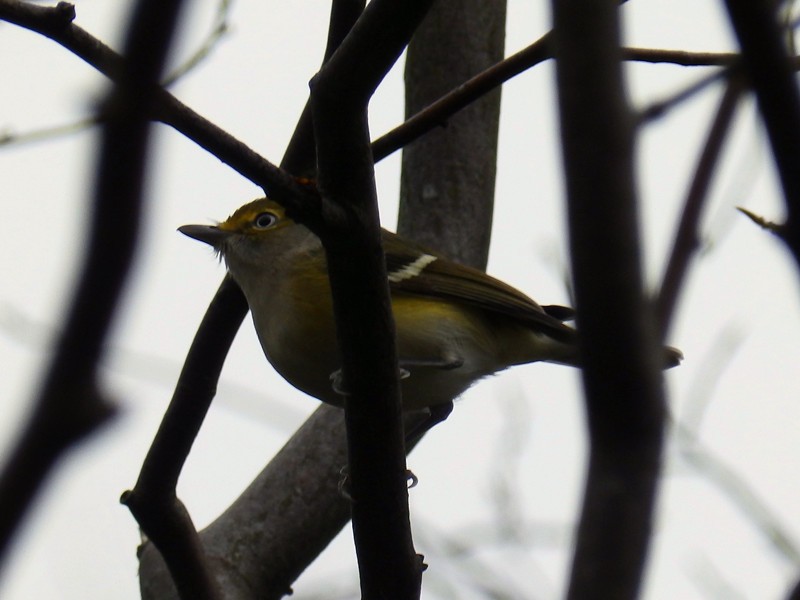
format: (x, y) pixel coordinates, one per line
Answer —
(778, 229)
(658, 109)
(217, 32)
(739, 491)
(437, 113)
(687, 237)
(279, 184)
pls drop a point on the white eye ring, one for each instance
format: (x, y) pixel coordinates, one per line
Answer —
(264, 220)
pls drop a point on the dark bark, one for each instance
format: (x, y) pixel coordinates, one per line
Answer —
(340, 94)
(621, 362)
(70, 403)
(770, 71)
(447, 186)
(687, 238)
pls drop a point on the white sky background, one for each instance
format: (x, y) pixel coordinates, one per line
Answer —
(523, 428)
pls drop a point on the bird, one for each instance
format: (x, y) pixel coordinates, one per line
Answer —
(455, 324)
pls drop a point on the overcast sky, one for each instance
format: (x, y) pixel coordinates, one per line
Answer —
(510, 459)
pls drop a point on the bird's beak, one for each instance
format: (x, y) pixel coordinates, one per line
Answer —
(210, 234)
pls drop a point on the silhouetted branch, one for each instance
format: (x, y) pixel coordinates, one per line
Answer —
(163, 106)
(687, 237)
(153, 501)
(794, 594)
(437, 113)
(659, 108)
(340, 94)
(154, 498)
(279, 524)
(218, 30)
(620, 356)
(70, 404)
(770, 71)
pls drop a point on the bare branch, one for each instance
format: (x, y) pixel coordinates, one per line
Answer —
(687, 236)
(768, 67)
(70, 404)
(164, 107)
(153, 498)
(340, 93)
(218, 30)
(625, 402)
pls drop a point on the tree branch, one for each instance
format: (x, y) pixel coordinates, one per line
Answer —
(625, 404)
(153, 499)
(340, 93)
(768, 67)
(464, 94)
(70, 404)
(687, 236)
(448, 179)
(164, 107)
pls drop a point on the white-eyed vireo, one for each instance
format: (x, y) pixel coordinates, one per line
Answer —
(455, 324)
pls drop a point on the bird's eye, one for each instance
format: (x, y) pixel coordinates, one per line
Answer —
(264, 220)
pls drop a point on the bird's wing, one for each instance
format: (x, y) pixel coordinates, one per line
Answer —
(410, 272)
